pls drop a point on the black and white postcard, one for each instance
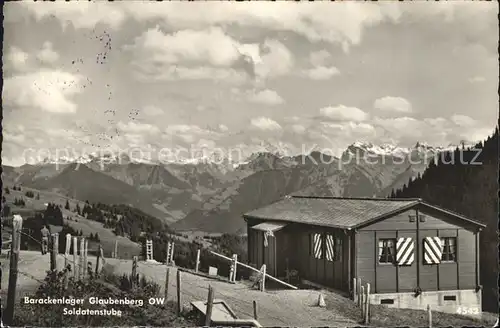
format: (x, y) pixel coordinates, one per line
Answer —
(249, 164)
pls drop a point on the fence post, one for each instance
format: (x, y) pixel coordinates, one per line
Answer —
(210, 304)
(115, 252)
(360, 293)
(172, 254)
(149, 250)
(255, 310)
(54, 251)
(167, 277)
(179, 304)
(354, 290)
(367, 304)
(85, 259)
(231, 270)
(66, 250)
(429, 313)
(361, 299)
(82, 263)
(75, 258)
(169, 246)
(134, 271)
(235, 265)
(263, 281)
(197, 260)
(98, 259)
(15, 248)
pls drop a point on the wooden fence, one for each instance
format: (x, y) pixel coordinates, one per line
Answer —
(262, 272)
(79, 265)
(361, 296)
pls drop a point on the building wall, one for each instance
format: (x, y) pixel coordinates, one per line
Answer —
(389, 278)
(455, 301)
(333, 274)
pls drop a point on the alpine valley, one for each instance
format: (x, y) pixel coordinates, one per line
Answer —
(210, 196)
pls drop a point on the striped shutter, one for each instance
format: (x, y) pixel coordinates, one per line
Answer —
(405, 251)
(317, 247)
(433, 250)
(330, 248)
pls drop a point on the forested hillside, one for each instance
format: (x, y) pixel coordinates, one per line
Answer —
(466, 181)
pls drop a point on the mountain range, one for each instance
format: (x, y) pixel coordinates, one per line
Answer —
(210, 196)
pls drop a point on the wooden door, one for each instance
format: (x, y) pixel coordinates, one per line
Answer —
(269, 253)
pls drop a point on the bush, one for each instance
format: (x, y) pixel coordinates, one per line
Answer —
(108, 285)
(30, 194)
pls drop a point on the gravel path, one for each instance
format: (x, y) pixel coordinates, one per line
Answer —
(275, 308)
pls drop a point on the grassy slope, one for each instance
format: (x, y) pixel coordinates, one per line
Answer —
(126, 248)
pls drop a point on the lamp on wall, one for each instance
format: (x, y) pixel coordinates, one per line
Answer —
(267, 234)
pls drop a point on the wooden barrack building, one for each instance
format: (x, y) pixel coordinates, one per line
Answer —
(412, 253)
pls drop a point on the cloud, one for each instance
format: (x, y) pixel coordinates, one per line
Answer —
(317, 22)
(266, 97)
(47, 55)
(321, 73)
(133, 127)
(297, 128)
(275, 60)
(395, 104)
(15, 138)
(265, 123)
(173, 73)
(210, 46)
(48, 90)
(190, 133)
(17, 58)
(435, 131)
(319, 58)
(343, 113)
(463, 120)
(223, 128)
(152, 111)
(82, 15)
(206, 54)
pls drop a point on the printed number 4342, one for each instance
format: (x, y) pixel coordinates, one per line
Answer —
(467, 310)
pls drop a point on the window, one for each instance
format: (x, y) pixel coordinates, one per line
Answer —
(386, 250)
(449, 245)
(316, 245)
(330, 248)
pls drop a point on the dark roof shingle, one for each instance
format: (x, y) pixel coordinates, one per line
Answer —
(333, 212)
(344, 213)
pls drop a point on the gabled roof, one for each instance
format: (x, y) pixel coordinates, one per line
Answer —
(337, 212)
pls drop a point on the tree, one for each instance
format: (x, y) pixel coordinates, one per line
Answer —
(67, 205)
(393, 194)
(5, 210)
(7, 191)
(38, 196)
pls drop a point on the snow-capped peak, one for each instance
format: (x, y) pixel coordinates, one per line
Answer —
(388, 149)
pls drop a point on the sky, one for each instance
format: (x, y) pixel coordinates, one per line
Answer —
(186, 79)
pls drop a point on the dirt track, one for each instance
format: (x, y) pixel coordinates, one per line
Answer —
(275, 308)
